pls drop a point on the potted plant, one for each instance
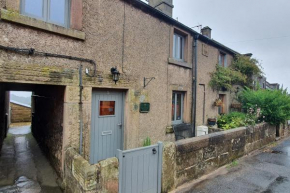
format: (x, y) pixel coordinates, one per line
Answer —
(211, 121)
(218, 102)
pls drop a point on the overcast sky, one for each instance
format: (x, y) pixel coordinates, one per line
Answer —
(21, 94)
(260, 27)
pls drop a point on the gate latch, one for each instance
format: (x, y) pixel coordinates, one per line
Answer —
(154, 151)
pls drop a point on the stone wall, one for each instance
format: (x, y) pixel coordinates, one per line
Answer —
(4, 112)
(47, 122)
(20, 113)
(195, 157)
(183, 161)
(282, 130)
(131, 39)
(81, 177)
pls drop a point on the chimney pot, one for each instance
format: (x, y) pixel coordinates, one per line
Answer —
(206, 31)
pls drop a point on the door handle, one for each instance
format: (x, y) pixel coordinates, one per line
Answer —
(120, 124)
(154, 151)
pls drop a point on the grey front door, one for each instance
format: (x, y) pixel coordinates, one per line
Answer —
(106, 125)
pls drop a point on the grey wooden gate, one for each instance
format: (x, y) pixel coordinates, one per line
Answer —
(106, 124)
(140, 169)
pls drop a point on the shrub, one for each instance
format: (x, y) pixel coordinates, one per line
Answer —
(272, 106)
(231, 120)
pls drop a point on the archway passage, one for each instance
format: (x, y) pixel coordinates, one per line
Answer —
(31, 154)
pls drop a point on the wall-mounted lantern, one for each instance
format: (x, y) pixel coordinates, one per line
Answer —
(115, 74)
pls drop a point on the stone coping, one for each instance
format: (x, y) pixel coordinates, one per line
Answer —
(15, 17)
(209, 136)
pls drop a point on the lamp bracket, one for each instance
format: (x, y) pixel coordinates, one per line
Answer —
(147, 81)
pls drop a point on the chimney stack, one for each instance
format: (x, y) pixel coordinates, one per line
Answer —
(164, 6)
(206, 31)
(249, 55)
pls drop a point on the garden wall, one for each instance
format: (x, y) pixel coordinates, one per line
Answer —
(192, 158)
(183, 160)
(81, 177)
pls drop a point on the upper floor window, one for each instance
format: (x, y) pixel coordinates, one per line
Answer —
(52, 11)
(178, 47)
(223, 59)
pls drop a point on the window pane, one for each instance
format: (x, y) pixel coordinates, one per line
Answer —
(178, 47)
(181, 48)
(178, 107)
(57, 11)
(173, 106)
(34, 7)
(175, 45)
(107, 108)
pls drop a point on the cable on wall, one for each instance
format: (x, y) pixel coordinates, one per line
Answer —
(32, 51)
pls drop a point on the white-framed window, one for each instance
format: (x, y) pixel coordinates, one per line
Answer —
(178, 47)
(51, 11)
(177, 107)
(223, 59)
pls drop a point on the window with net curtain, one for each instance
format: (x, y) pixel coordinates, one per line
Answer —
(51, 11)
(177, 108)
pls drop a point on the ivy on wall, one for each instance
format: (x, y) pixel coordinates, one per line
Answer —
(241, 72)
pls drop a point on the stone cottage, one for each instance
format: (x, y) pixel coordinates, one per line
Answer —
(106, 74)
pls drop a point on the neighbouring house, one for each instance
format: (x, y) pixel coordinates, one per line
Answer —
(273, 86)
(262, 82)
(106, 75)
(19, 112)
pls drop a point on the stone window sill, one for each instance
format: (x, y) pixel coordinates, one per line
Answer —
(179, 63)
(28, 21)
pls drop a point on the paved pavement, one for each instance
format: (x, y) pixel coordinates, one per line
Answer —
(265, 171)
(23, 167)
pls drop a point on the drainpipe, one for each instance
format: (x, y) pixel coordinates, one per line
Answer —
(194, 83)
(81, 108)
(203, 111)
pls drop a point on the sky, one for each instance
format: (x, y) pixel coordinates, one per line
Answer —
(21, 93)
(260, 27)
